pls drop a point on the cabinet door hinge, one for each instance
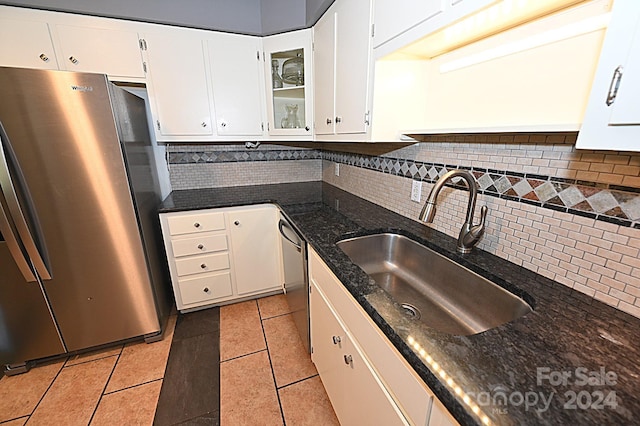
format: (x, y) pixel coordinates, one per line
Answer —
(158, 124)
(268, 129)
(366, 118)
(262, 126)
(143, 44)
(258, 55)
(264, 57)
(144, 67)
(373, 30)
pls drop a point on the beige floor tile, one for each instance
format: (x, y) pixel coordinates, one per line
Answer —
(273, 306)
(94, 355)
(289, 358)
(133, 406)
(247, 392)
(20, 394)
(307, 403)
(74, 394)
(240, 330)
(142, 362)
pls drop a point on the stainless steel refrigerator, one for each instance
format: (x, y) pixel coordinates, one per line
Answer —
(80, 250)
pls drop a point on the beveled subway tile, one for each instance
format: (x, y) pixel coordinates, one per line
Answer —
(273, 306)
(247, 392)
(240, 330)
(94, 355)
(74, 395)
(133, 406)
(306, 402)
(142, 362)
(20, 394)
(290, 360)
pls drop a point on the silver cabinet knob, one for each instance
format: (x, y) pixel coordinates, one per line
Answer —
(196, 225)
(200, 246)
(206, 289)
(44, 57)
(338, 120)
(236, 223)
(203, 124)
(307, 128)
(329, 121)
(336, 340)
(348, 359)
(203, 265)
(73, 60)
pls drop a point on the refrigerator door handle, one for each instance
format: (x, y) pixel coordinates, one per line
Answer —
(15, 210)
(14, 247)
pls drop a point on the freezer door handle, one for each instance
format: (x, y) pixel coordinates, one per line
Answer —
(14, 247)
(15, 212)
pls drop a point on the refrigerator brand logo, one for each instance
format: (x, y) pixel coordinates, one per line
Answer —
(82, 88)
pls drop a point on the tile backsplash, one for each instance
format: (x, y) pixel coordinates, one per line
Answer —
(570, 215)
(209, 166)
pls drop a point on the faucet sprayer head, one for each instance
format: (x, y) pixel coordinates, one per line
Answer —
(428, 212)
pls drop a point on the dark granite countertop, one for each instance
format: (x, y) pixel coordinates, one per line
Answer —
(573, 360)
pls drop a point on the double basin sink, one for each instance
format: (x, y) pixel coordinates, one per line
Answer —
(432, 288)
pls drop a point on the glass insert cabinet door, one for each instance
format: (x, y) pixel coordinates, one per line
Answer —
(288, 71)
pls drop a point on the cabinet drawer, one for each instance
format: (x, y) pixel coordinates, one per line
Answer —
(198, 264)
(205, 288)
(199, 245)
(191, 223)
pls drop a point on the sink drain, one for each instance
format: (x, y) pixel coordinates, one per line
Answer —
(411, 310)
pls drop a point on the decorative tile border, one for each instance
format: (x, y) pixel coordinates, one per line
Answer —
(240, 156)
(610, 203)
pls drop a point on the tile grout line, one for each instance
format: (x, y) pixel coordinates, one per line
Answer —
(298, 381)
(133, 386)
(273, 374)
(46, 392)
(104, 388)
(243, 355)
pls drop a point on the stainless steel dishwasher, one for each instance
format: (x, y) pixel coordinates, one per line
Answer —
(296, 283)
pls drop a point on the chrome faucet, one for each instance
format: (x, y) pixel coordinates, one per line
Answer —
(470, 234)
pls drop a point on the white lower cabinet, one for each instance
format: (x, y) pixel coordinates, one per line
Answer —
(366, 378)
(221, 255)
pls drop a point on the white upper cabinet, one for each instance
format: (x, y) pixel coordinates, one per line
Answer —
(612, 119)
(393, 17)
(26, 44)
(99, 50)
(342, 58)
(178, 84)
(48, 40)
(289, 82)
(238, 84)
(324, 35)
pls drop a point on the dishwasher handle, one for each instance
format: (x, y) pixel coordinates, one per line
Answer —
(282, 224)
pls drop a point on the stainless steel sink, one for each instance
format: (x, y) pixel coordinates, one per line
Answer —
(432, 288)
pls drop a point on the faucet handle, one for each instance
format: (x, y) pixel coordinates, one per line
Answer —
(470, 236)
(483, 215)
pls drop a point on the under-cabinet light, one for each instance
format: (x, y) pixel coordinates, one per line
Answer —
(585, 26)
(495, 18)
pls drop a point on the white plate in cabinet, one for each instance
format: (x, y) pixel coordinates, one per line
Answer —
(199, 245)
(198, 264)
(205, 288)
(190, 223)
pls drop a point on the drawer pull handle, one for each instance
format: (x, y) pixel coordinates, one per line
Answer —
(73, 60)
(336, 340)
(203, 266)
(614, 86)
(236, 223)
(329, 121)
(348, 359)
(200, 246)
(197, 225)
(206, 289)
(44, 57)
